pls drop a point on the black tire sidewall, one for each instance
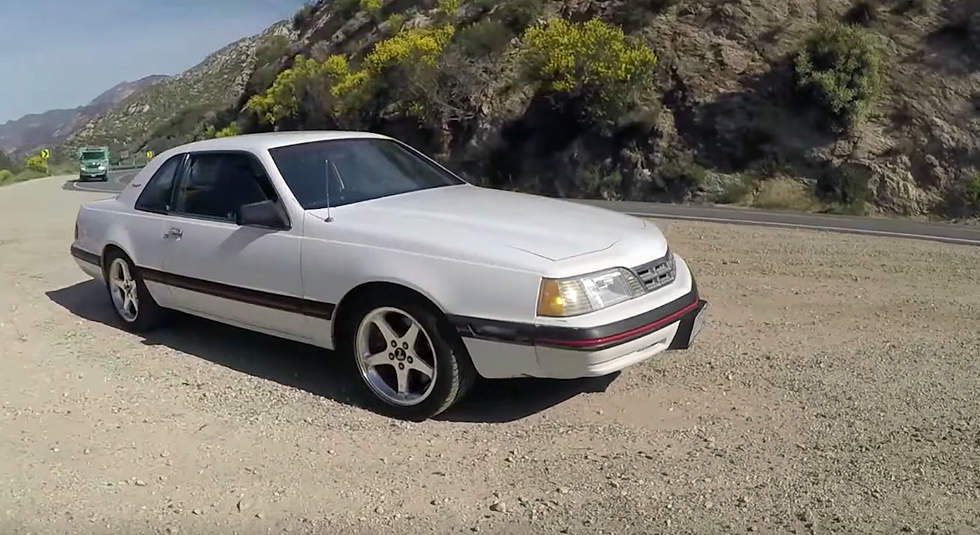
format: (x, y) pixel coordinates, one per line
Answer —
(452, 361)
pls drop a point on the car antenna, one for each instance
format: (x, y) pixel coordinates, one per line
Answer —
(326, 169)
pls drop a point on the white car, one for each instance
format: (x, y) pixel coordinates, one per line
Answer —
(356, 242)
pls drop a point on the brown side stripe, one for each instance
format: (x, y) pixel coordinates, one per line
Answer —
(296, 305)
(306, 307)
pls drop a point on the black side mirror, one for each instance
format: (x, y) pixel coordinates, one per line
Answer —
(262, 214)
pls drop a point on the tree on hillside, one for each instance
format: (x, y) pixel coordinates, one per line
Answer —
(6, 162)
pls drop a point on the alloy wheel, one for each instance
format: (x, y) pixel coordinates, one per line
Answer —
(123, 288)
(395, 356)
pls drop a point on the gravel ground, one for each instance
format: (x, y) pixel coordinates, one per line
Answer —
(836, 389)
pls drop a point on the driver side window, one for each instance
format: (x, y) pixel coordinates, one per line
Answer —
(216, 185)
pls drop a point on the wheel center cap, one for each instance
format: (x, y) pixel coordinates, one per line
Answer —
(400, 354)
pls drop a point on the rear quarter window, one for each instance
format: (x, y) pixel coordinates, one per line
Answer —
(156, 196)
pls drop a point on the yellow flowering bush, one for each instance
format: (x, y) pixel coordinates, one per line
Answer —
(228, 131)
(330, 87)
(590, 59)
(416, 46)
(307, 77)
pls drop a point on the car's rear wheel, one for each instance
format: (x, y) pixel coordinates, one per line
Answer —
(132, 302)
(407, 357)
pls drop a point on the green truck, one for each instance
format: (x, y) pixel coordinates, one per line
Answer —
(93, 162)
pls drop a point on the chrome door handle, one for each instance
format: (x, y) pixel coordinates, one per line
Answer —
(173, 234)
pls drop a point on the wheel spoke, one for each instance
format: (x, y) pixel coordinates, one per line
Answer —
(124, 271)
(402, 374)
(378, 359)
(386, 331)
(411, 335)
(422, 367)
(118, 285)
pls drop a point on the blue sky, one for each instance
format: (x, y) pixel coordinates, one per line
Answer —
(63, 53)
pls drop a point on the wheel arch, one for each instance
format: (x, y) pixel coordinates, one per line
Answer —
(364, 290)
(110, 247)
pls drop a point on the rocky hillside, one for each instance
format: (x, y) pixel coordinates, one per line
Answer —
(841, 105)
(168, 113)
(49, 128)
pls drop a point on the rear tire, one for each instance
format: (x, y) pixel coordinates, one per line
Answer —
(130, 300)
(408, 376)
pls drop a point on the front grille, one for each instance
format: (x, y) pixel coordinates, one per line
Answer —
(658, 273)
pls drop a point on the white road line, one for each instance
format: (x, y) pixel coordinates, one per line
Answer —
(810, 227)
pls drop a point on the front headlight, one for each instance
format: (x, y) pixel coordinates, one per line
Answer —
(587, 293)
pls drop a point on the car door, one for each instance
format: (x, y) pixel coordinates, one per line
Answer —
(149, 221)
(245, 275)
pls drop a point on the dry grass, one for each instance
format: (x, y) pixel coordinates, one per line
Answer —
(785, 194)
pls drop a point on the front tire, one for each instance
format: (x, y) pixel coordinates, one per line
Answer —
(407, 356)
(131, 301)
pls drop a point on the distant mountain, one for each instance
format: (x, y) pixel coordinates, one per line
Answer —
(168, 113)
(51, 127)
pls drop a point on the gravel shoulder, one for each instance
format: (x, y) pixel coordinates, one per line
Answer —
(836, 389)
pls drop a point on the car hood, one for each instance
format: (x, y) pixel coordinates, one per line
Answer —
(480, 217)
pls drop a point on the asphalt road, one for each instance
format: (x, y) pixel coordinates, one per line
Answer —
(897, 228)
(115, 182)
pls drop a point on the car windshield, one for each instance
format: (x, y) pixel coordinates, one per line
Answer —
(358, 170)
(93, 155)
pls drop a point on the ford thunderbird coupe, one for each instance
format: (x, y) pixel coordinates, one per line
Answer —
(357, 243)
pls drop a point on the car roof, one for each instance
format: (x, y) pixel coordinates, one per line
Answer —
(257, 142)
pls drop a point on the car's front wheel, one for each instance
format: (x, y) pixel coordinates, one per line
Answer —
(408, 357)
(131, 301)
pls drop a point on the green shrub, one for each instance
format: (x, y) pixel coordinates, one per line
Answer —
(447, 8)
(484, 37)
(973, 192)
(846, 187)
(394, 23)
(839, 67)
(303, 17)
(785, 194)
(371, 6)
(737, 191)
(8, 163)
(37, 164)
(271, 50)
(863, 12)
(591, 61)
(519, 14)
(596, 183)
(6, 176)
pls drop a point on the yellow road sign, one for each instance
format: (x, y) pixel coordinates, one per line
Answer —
(149, 155)
(45, 154)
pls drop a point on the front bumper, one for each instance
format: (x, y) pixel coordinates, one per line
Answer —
(502, 350)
